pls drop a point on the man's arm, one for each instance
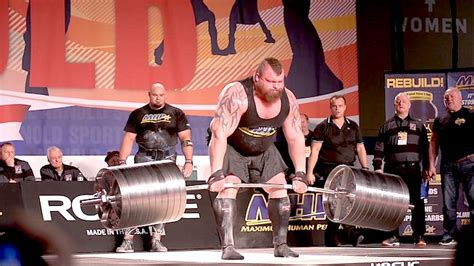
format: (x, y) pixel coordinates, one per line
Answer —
(433, 153)
(362, 155)
(5, 171)
(232, 104)
(127, 145)
(46, 174)
(312, 160)
(187, 148)
(295, 139)
(28, 172)
(424, 147)
(379, 151)
(294, 135)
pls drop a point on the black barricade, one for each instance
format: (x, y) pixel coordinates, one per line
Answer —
(10, 202)
(58, 203)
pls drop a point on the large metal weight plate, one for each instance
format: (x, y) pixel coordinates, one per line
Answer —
(142, 194)
(109, 212)
(381, 200)
(151, 193)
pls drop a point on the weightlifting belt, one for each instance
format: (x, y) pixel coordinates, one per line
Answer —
(157, 154)
(403, 164)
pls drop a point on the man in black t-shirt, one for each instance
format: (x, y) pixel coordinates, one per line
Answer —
(336, 140)
(58, 171)
(12, 169)
(453, 135)
(156, 127)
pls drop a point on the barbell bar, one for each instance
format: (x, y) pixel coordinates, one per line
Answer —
(269, 186)
(155, 192)
(102, 197)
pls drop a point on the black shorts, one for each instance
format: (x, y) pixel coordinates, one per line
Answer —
(253, 169)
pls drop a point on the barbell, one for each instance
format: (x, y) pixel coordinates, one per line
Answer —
(155, 192)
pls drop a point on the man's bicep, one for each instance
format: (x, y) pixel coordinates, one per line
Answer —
(316, 146)
(184, 135)
(360, 147)
(232, 104)
(292, 123)
(434, 144)
(130, 136)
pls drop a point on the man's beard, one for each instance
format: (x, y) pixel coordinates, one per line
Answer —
(272, 96)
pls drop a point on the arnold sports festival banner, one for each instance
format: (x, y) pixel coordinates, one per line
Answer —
(71, 71)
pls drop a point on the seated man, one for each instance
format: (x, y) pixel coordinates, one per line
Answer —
(58, 171)
(13, 169)
(112, 158)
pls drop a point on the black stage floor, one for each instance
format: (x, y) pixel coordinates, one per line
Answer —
(370, 254)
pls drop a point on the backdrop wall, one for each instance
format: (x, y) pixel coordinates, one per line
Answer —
(71, 71)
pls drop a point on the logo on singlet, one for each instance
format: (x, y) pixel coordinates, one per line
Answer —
(258, 132)
(156, 118)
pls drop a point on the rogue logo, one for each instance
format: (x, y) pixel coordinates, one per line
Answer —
(63, 205)
(62, 209)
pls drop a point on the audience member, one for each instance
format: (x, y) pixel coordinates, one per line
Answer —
(14, 169)
(58, 171)
(112, 158)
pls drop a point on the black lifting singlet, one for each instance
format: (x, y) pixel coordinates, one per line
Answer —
(254, 135)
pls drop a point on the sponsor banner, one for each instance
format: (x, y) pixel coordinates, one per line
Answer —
(253, 227)
(425, 92)
(464, 81)
(58, 203)
(73, 80)
(88, 131)
(434, 212)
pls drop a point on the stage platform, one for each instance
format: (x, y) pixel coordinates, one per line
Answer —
(370, 254)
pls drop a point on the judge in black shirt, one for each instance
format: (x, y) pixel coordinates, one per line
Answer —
(453, 135)
(402, 144)
(336, 140)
